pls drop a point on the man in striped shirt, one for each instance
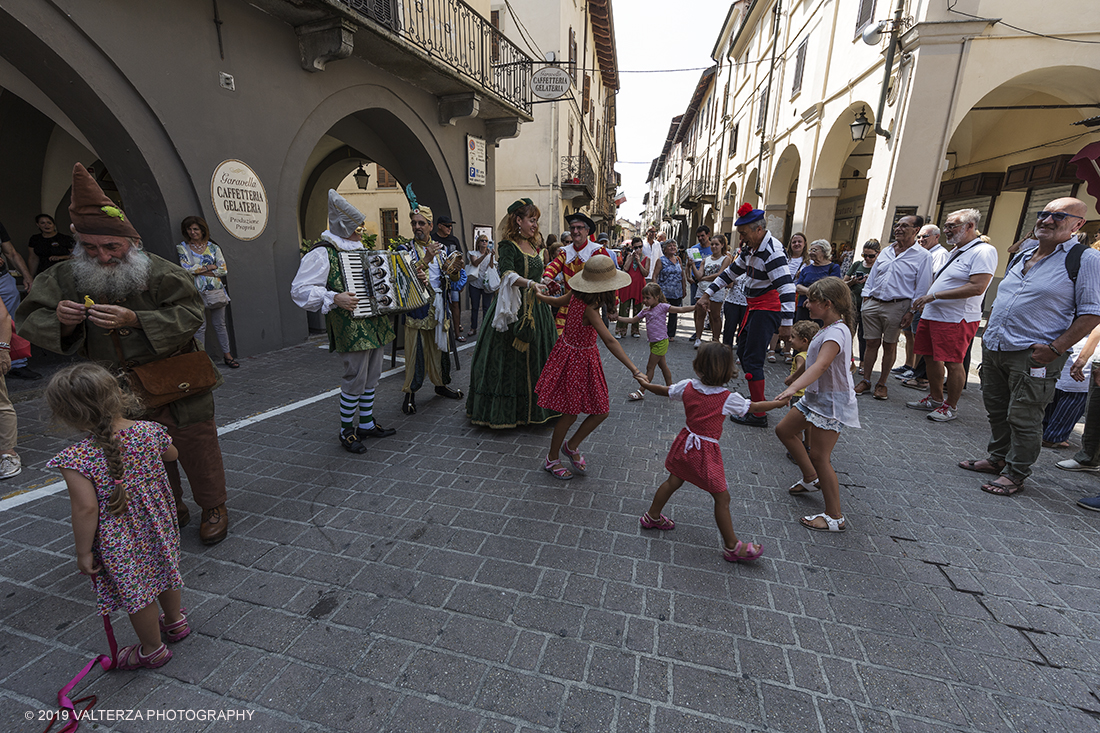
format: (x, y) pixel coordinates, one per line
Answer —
(770, 292)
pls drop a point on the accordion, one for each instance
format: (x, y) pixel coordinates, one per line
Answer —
(384, 282)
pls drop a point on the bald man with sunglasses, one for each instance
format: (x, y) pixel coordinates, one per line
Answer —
(1039, 313)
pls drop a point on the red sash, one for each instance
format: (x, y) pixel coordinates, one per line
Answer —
(769, 301)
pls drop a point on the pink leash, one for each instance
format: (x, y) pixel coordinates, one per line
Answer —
(67, 707)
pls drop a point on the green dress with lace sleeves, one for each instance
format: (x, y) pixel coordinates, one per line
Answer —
(507, 364)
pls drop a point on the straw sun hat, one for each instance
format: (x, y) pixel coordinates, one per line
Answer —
(598, 276)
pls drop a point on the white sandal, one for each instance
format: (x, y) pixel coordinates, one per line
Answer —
(637, 395)
(801, 487)
(831, 525)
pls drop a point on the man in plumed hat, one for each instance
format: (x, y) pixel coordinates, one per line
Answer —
(571, 258)
(427, 329)
(147, 308)
(770, 292)
(319, 286)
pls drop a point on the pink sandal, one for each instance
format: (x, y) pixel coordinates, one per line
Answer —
(649, 522)
(130, 657)
(176, 631)
(575, 457)
(735, 554)
(557, 470)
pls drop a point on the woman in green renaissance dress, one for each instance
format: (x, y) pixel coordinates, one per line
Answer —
(507, 362)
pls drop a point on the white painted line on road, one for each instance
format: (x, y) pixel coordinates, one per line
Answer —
(10, 501)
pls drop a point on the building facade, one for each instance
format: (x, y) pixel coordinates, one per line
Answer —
(971, 104)
(565, 160)
(289, 96)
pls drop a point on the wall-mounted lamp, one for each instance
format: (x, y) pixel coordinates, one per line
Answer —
(362, 178)
(860, 126)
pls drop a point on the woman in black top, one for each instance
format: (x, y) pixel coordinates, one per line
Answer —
(46, 249)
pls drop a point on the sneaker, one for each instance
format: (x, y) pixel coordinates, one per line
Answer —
(905, 373)
(10, 465)
(698, 343)
(618, 335)
(862, 387)
(927, 404)
(899, 369)
(1069, 464)
(943, 413)
(1090, 502)
(881, 392)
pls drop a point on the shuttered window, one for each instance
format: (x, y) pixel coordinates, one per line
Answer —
(573, 54)
(385, 178)
(799, 66)
(494, 18)
(866, 15)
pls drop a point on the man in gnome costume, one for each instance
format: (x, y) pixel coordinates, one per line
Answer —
(427, 329)
(770, 292)
(571, 258)
(319, 286)
(152, 307)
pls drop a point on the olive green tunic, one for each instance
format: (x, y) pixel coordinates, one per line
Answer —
(169, 313)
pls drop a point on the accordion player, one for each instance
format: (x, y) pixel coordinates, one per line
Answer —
(384, 282)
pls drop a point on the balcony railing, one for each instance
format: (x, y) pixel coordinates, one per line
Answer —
(705, 190)
(456, 35)
(576, 170)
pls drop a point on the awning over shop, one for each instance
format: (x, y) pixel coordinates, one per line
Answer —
(1087, 168)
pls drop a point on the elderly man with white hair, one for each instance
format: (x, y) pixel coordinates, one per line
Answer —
(951, 312)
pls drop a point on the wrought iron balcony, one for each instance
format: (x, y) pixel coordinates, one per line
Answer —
(443, 46)
(578, 181)
(705, 190)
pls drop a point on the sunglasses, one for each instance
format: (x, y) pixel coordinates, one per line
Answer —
(924, 236)
(870, 256)
(1057, 216)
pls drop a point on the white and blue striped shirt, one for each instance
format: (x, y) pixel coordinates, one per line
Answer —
(766, 269)
(1038, 306)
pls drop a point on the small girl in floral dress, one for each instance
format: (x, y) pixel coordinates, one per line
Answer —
(696, 455)
(123, 513)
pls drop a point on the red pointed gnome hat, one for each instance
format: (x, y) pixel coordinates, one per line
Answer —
(92, 212)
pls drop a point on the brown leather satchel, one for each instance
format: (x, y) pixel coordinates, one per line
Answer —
(166, 380)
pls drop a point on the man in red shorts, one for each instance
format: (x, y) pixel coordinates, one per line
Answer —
(952, 310)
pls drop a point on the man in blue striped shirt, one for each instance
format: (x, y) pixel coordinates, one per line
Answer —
(770, 293)
(1039, 313)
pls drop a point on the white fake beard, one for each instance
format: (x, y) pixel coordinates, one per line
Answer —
(111, 283)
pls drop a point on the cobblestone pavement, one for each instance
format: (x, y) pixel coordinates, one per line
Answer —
(443, 582)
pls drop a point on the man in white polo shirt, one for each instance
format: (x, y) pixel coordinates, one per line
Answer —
(952, 310)
(900, 275)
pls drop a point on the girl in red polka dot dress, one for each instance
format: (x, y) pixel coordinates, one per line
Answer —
(696, 455)
(572, 381)
(123, 512)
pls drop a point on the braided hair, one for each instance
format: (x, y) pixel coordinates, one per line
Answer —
(87, 397)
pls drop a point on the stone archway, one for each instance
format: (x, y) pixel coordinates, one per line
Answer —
(389, 133)
(780, 200)
(826, 179)
(112, 119)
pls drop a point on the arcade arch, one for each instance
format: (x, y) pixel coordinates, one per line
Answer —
(782, 193)
(1007, 154)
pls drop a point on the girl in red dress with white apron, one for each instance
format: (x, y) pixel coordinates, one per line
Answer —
(696, 456)
(572, 380)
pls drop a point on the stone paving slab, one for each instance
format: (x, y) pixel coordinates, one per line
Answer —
(445, 582)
